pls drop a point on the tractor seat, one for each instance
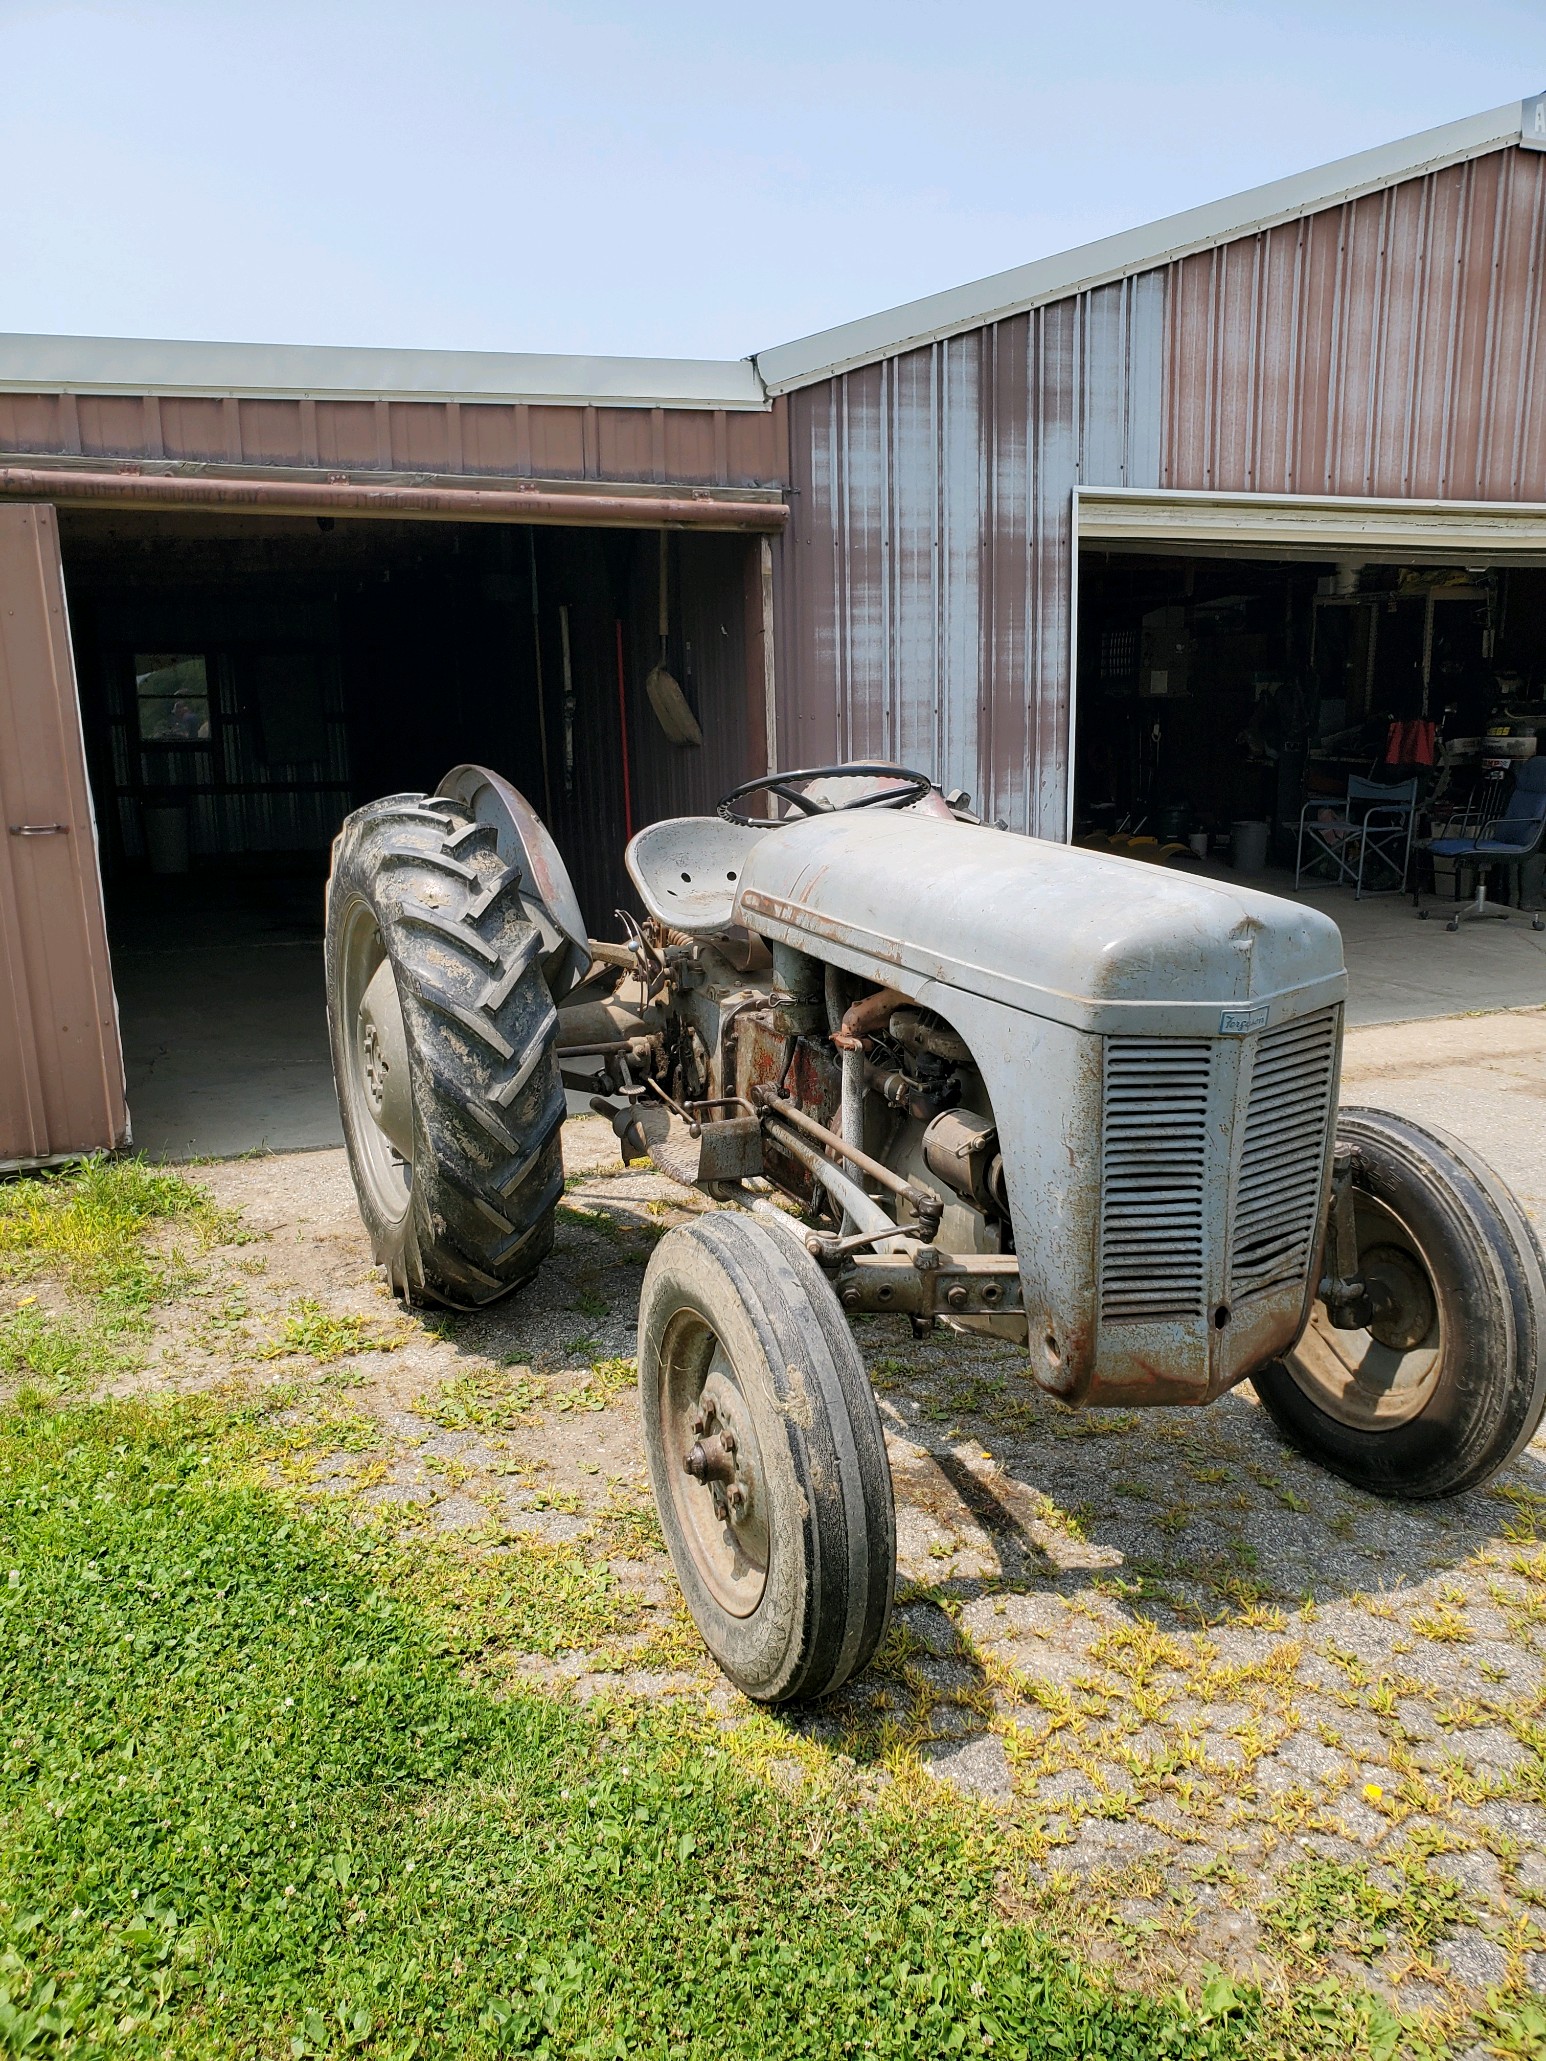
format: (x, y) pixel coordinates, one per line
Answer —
(687, 870)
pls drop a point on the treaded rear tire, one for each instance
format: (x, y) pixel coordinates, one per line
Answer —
(480, 1029)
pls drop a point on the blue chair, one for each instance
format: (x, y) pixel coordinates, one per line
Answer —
(1374, 825)
(1513, 836)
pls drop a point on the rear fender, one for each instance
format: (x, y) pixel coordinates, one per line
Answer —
(547, 893)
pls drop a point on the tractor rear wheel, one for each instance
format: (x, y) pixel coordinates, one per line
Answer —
(767, 1457)
(1448, 1381)
(442, 1032)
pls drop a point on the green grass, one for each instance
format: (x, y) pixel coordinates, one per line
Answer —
(88, 1227)
(85, 1233)
(252, 1803)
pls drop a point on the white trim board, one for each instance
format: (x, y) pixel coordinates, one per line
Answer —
(938, 315)
(1310, 526)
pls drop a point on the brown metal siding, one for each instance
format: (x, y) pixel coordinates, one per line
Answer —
(668, 446)
(61, 1068)
(924, 586)
(1388, 347)
(1391, 346)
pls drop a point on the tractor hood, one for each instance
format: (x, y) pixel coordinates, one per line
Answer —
(1088, 939)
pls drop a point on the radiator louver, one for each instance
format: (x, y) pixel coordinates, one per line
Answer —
(1277, 1201)
(1154, 1153)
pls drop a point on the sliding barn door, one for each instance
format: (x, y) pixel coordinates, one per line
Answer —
(61, 1065)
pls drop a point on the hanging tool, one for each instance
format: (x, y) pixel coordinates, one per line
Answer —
(622, 736)
(668, 701)
(563, 632)
(542, 712)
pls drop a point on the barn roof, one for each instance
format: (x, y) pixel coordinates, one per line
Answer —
(920, 322)
(139, 365)
(142, 365)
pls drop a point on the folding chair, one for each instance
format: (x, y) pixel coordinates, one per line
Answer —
(1373, 830)
(1513, 836)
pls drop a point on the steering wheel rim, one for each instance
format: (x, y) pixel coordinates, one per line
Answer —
(913, 787)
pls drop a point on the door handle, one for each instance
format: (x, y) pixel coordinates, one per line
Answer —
(39, 829)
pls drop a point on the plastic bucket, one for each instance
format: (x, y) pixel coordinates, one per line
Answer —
(1248, 847)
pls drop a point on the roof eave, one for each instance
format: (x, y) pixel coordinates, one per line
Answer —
(245, 371)
(921, 322)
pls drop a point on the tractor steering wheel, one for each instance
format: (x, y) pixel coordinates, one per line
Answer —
(908, 787)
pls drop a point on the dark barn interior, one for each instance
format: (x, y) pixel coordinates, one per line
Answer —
(1216, 691)
(245, 681)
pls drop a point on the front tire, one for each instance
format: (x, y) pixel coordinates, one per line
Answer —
(767, 1457)
(442, 1033)
(1448, 1383)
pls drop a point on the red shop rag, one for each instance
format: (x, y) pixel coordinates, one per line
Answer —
(1411, 742)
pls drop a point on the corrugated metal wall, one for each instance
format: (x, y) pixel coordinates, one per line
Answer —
(503, 440)
(1391, 346)
(924, 589)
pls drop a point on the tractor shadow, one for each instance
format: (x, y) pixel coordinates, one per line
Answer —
(1034, 1541)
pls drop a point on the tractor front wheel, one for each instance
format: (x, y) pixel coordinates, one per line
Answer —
(443, 1032)
(767, 1457)
(1448, 1380)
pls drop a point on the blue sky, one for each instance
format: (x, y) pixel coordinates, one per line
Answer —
(675, 178)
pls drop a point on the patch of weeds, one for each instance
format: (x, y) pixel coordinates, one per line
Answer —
(1516, 2028)
(888, 1374)
(493, 1399)
(314, 1333)
(631, 1527)
(1069, 1423)
(611, 1378)
(606, 1380)
(1323, 1907)
(63, 1349)
(88, 1227)
(1445, 1624)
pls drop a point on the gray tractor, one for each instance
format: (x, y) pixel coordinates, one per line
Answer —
(947, 1074)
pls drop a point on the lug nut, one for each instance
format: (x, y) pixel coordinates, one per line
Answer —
(735, 1496)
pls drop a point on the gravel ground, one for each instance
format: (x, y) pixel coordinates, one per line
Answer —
(1220, 1707)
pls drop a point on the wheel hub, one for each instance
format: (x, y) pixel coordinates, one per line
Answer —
(382, 1058)
(715, 1460)
(1382, 1375)
(373, 1077)
(718, 1486)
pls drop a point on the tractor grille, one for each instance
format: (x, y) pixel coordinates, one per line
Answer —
(1277, 1200)
(1154, 1156)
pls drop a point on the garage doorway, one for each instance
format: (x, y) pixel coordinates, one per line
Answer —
(247, 680)
(1236, 657)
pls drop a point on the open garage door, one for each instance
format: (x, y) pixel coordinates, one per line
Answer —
(61, 1068)
(1248, 664)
